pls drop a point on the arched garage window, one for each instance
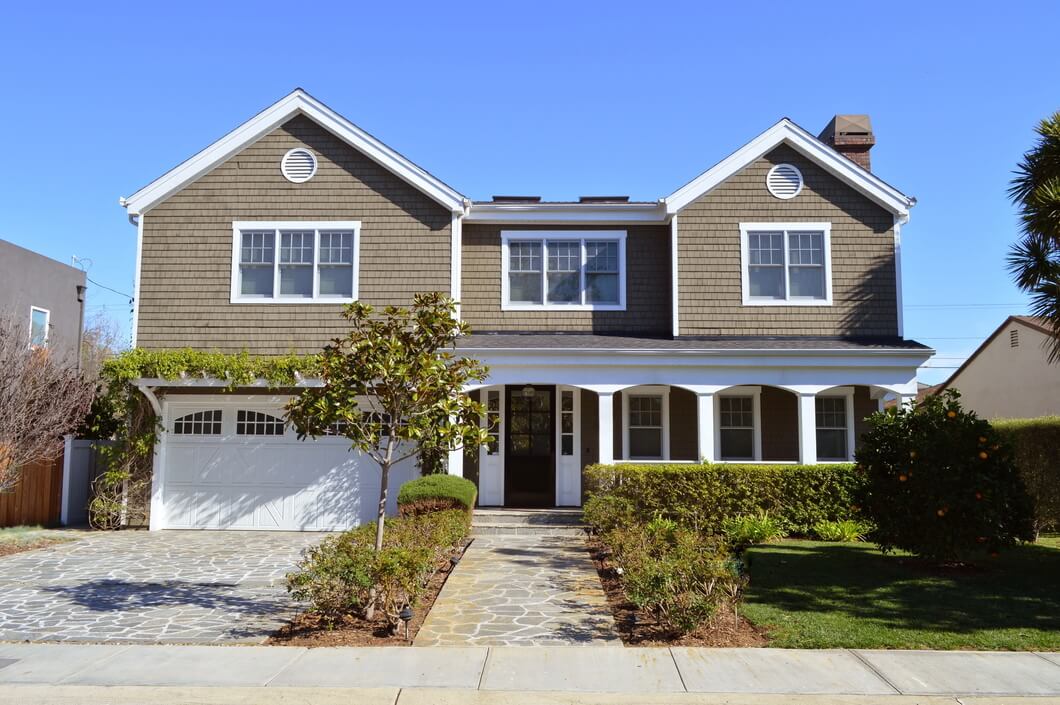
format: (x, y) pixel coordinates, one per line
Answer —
(256, 423)
(200, 423)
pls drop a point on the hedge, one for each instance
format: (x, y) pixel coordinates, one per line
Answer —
(703, 496)
(432, 493)
(1036, 447)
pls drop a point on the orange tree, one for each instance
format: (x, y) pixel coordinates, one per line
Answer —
(941, 483)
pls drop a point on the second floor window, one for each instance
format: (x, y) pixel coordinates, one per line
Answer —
(786, 264)
(564, 270)
(38, 327)
(295, 262)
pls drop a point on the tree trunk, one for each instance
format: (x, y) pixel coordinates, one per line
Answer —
(380, 523)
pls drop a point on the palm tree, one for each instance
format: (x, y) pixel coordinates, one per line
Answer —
(1034, 261)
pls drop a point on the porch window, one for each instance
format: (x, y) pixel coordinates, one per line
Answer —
(786, 264)
(737, 428)
(563, 270)
(645, 426)
(832, 428)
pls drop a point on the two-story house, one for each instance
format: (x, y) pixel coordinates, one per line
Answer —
(754, 314)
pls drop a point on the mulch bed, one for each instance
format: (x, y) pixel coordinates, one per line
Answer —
(8, 548)
(638, 628)
(309, 630)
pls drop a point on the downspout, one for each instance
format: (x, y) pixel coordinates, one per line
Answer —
(81, 288)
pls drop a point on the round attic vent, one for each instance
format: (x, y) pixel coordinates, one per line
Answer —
(784, 181)
(298, 165)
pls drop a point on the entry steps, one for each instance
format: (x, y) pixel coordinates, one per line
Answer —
(527, 522)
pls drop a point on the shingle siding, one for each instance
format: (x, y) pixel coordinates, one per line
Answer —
(647, 285)
(185, 283)
(863, 262)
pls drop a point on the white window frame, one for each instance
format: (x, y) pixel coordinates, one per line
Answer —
(745, 231)
(543, 236)
(316, 226)
(755, 393)
(646, 391)
(47, 325)
(848, 394)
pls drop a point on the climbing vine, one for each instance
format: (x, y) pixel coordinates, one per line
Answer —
(122, 413)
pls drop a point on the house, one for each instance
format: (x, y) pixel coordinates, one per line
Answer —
(44, 297)
(754, 314)
(1009, 376)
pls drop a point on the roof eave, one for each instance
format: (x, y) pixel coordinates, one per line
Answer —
(560, 213)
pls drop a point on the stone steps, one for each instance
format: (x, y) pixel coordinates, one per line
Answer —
(527, 522)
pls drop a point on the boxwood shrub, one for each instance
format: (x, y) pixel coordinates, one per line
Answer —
(1035, 445)
(432, 493)
(702, 497)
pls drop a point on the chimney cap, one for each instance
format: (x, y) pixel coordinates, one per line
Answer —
(847, 125)
(517, 199)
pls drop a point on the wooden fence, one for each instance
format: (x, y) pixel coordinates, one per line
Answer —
(37, 499)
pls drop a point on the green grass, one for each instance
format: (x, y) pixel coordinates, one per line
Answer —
(17, 538)
(812, 594)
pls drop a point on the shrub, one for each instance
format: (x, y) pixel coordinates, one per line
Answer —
(1035, 445)
(679, 576)
(702, 497)
(748, 529)
(336, 577)
(433, 493)
(941, 483)
(846, 531)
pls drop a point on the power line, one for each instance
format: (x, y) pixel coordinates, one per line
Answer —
(104, 286)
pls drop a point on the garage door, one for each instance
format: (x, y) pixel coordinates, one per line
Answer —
(235, 465)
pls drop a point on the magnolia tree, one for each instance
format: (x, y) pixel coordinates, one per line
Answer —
(42, 398)
(393, 387)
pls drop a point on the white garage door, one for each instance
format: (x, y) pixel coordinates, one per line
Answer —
(231, 463)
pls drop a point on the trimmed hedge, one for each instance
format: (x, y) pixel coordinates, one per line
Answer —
(432, 493)
(702, 497)
(1035, 445)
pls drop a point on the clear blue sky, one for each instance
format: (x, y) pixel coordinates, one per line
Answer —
(553, 99)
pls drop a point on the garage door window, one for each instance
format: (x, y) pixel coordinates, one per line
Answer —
(201, 423)
(256, 423)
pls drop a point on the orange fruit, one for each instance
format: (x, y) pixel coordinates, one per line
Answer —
(902, 478)
(951, 414)
(983, 455)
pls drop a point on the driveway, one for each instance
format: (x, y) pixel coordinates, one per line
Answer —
(151, 587)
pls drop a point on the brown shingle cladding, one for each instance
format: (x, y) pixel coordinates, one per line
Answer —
(185, 280)
(863, 275)
(647, 284)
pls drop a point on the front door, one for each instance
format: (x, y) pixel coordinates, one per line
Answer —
(530, 457)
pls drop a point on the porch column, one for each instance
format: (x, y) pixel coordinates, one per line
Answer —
(455, 461)
(705, 425)
(808, 428)
(605, 423)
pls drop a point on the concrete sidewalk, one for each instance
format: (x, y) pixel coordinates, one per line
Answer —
(665, 674)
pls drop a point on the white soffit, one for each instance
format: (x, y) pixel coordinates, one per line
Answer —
(787, 132)
(298, 102)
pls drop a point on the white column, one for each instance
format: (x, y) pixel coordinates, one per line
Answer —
(705, 425)
(456, 462)
(807, 428)
(606, 424)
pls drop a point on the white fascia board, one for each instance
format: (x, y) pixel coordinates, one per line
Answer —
(298, 102)
(566, 213)
(666, 357)
(214, 383)
(809, 146)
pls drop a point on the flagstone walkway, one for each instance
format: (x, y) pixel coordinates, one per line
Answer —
(522, 591)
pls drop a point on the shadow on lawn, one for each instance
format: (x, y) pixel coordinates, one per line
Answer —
(1017, 590)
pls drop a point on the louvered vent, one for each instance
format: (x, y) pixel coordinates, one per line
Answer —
(1013, 338)
(298, 165)
(784, 181)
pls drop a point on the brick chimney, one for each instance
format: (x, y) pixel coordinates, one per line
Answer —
(851, 136)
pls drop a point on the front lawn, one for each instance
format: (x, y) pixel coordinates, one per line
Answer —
(811, 594)
(17, 539)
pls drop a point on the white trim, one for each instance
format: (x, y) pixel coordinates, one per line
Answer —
(316, 226)
(655, 390)
(157, 519)
(456, 259)
(283, 165)
(136, 279)
(297, 102)
(809, 146)
(755, 392)
(675, 298)
(491, 467)
(47, 325)
(899, 221)
(846, 393)
(797, 170)
(569, 467)
(567, 213)
(747, 228)
(544, 236)
(605, 423)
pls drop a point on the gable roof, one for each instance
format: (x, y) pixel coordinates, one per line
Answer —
(787, 132)
(1029, 321)
(296, 103)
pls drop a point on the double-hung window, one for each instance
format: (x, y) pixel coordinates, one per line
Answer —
(737, 428)
(833, 426)
(645, 426)
(563, 270)
(295, 262)
(786, 264)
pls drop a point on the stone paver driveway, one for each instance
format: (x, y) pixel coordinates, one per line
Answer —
(163, 586)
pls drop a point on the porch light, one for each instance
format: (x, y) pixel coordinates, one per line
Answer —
(405, 615)
(453, 560)
(528, 391)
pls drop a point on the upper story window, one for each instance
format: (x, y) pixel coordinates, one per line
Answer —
(295, 262)
(38, 327)
(786, 264)
(563, 270)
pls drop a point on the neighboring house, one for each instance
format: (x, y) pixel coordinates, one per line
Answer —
(44, 297)
(1009, 376)
(753, 314)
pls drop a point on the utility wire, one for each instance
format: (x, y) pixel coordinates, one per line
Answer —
(104, 286)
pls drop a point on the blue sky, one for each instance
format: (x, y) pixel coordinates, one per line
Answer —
(557, 99)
